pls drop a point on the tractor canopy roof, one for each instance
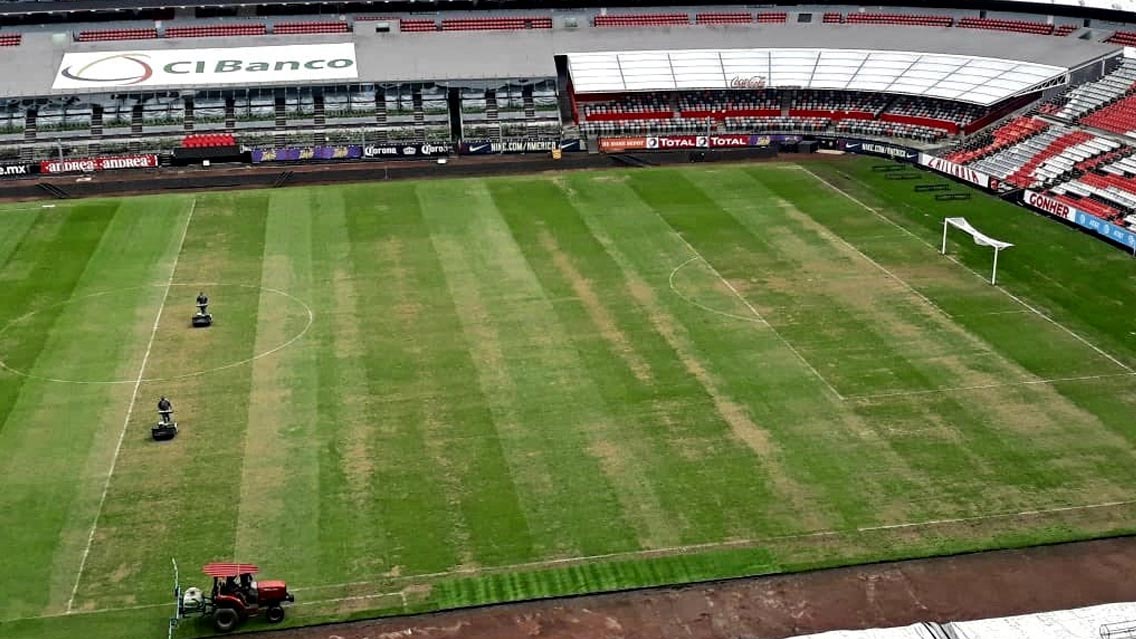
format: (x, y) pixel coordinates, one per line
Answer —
(218, 569)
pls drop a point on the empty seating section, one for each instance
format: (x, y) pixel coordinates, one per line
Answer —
(891, 130)
(723, 18)
(940, 114)
(216, 31)
(305, 28)
(1064, 29)
(644, 106)
(1084, 147)
(833, 18)
(1046, 157)
(1004, 136)
(1127, 38)
(1017, 26)
(417, 26)
(723, 105)
(773, 17)
(1091, 96)
(1118, 117)
(838, 105)
(117, 34)
(642, 20)
(208, 140)
(496, 24)
(10, 39)
(916, 20)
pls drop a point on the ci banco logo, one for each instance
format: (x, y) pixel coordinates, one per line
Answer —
(119, 69)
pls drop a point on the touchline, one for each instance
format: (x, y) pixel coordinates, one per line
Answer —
(183, 67)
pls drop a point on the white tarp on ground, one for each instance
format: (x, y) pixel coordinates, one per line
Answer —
(1079, 623)
(980, 238)
(914, 631)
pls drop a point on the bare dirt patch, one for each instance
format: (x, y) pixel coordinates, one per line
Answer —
(598, 313)
(955, 588)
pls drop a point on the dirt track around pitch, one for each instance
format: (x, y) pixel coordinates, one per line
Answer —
(976, 586)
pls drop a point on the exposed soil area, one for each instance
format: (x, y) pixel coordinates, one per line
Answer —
(989, 584)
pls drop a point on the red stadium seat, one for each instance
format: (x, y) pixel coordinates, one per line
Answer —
(308, 28)
(1126, 38)
(901, 19)
(417, 26)
(1017, 26)
(216, 31)
(643, 20)
(117, 34)
(723, 18)
(11, 39)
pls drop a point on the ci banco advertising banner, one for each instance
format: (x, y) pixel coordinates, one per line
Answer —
(206, 67)
(959, 171)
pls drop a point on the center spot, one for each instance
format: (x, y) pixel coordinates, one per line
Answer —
(101, 338)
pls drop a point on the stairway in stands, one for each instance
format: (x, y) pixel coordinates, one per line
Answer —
(281, 137)
(381, 134)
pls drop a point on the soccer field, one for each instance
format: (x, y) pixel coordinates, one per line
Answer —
(430, 394)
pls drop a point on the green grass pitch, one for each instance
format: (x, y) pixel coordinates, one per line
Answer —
(431, 394)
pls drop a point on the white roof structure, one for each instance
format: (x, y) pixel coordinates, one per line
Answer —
(982, 81)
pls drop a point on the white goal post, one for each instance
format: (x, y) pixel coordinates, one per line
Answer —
(980, 239)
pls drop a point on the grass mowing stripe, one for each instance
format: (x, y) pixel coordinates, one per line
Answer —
(280, 492)
(130, 409)
(188, 487)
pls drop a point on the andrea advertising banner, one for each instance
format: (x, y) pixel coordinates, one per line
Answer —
(295, 154)
(959, 171)
(206, 67)
(107, 163)
(869, 147)
(411, 150)
(17, 170)
(485, 147)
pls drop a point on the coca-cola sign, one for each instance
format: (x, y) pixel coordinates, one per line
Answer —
(748, 82)
(89, 165)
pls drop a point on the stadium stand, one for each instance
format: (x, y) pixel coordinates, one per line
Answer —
(11, 39)
(772, 17)
(833, 18)
(1093, 95)
(496, 24)
(1004, 136)
(642, 20)
(209, 140)
(723, 18)
(1126, 38)
(216, 31)
(1118, 117)
(100, 35)
(306, 28)
(417, 26)
(900, 19)
(1063, 30)
(1017, 26)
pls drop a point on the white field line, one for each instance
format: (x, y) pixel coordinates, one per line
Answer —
(985, 386)
(672, 550)
(674, 289)
(129, 411)
(1017, 299)
(753, 310)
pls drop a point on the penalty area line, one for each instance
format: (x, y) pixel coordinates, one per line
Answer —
(129, 411)
(1017, 299)
(757, 314)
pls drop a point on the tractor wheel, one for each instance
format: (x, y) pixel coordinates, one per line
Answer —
(226, 619)
(274, 614)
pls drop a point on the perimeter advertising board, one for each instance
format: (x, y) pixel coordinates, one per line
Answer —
(538, 145)
(964, 173)
(678, 142)
(1107, 229)
(869, 147)
(207, 67)
(104, 163)
(17, 170)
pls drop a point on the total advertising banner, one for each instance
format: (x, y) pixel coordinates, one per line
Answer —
(295, 154)
(373, 151)
(483, 147)
(107, 163)
(674, 142)
(869, 147)
(207, 67)
(959, 171)
(17, 170)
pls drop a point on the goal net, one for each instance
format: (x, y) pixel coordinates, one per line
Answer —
(979, 238)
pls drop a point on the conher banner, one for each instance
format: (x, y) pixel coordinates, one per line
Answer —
(204, 67)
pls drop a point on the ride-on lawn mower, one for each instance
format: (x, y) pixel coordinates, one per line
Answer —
(235, 597)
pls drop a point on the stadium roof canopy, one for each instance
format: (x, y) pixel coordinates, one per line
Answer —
(976, 80)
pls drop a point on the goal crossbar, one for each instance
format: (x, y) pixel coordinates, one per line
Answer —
(979, 238)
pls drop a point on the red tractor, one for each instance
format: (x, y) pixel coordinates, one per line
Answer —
(235, 597)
